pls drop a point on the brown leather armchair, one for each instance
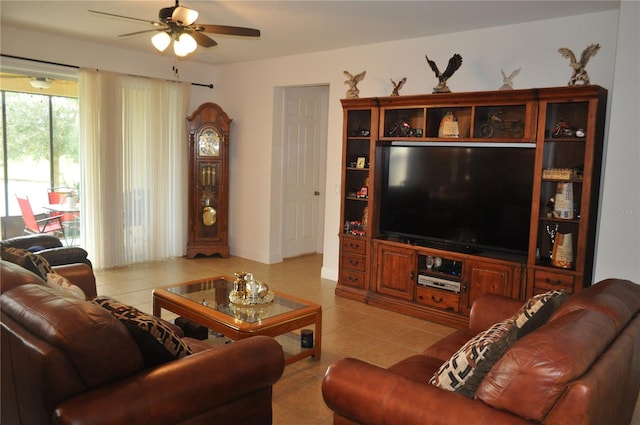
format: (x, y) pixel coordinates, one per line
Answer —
(69, 361)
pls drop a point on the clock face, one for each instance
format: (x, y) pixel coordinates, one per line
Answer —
(209, 143)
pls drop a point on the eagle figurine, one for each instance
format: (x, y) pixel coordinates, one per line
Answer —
(353, 80)
(507, 80)
(579, 71)
(452, 66)
(397, 86)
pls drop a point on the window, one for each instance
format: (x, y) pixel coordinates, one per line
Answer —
(40, 142)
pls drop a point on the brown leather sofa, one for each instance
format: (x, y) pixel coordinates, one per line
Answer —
(69, 361)
(581, 367)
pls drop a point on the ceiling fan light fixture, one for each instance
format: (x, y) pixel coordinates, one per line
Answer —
(40, 83)
(184, 15)
(161, 41)
(184, 44)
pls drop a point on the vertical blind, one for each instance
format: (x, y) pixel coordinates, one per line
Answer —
(133, 154)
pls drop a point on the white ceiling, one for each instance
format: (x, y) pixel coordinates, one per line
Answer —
(287, 27)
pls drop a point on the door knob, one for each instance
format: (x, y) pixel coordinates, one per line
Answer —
(316, 193)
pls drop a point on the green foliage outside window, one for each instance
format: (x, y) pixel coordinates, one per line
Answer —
(41, 149)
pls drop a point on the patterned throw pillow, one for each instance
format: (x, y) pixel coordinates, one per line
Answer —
(466, 369)
(32, 262)
(62, 285)
(537, 310)
(157, 341)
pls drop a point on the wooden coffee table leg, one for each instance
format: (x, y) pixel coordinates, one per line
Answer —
(318, 337)
(156, 307)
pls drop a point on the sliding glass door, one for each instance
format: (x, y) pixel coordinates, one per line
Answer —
(40, 143)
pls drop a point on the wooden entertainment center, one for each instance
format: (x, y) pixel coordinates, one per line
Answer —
(564, 126)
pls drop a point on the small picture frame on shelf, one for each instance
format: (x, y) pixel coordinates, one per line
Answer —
(361, 162)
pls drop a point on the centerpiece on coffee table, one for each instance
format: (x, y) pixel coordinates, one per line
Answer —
(248, 291)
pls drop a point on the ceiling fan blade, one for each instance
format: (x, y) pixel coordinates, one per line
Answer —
(227, 30)
(140, 32)
(202, 39)
(154, 23)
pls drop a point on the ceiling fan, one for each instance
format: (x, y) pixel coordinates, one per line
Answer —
(178, 23)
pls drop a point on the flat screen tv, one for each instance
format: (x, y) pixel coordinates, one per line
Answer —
(466, 198)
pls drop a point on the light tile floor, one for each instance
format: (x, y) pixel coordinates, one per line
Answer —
(349, 328)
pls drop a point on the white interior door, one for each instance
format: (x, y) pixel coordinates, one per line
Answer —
(304, 126)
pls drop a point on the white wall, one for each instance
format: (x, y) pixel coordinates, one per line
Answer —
(248, 91)
(618, 252)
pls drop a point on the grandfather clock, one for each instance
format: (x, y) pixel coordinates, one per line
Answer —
(208, 181)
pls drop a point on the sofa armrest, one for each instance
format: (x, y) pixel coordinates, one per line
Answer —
(182, 389)
(81, 275)
(489, 309)
(369, 395)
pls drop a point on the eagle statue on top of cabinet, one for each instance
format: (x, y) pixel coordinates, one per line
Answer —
(454, 63)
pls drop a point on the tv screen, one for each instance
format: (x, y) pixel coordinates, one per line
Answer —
(465, 197)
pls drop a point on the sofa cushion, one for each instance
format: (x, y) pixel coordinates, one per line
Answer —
(62, 286)
(13, 275)
(464, 371)
(32, 262)
(616, 298)
(99, 346)
(156, 339)
(534, 373)
(537, 310)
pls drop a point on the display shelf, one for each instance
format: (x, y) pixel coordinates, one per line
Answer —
(570, 149)
(550, 229)
(562, 128)
(500, 122)
(437, 266)
(403, 123)
(358, 153)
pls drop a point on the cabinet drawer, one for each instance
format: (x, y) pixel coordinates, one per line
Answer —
(548, 281)
(353, 262)
(353, 245)
(352, 279)
(436, 298)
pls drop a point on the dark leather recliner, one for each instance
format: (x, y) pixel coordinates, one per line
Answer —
(50, 247)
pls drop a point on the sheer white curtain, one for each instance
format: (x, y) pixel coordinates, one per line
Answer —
(133, 154)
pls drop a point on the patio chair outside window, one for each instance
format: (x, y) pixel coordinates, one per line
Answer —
(58, 195)
(32, 225)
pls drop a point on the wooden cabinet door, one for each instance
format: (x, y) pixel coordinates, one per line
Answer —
(395, 271)
(480, 277)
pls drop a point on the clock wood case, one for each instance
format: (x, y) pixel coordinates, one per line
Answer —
(208, 181)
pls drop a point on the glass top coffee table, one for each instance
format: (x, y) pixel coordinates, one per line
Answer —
(206, 302)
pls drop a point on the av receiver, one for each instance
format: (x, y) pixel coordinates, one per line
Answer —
(436, 282)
